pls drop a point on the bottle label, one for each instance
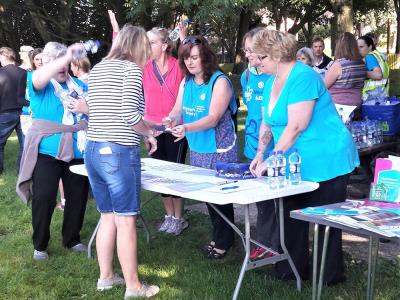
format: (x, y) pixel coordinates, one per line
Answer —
(281, 171)
(294, 168)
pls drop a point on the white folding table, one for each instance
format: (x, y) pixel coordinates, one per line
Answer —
(202, 185)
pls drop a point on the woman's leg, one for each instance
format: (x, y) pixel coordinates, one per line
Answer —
(223, 234)
(127, 250)
(105, 241)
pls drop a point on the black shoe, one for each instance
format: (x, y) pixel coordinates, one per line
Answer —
(206, 249)
(216, 255)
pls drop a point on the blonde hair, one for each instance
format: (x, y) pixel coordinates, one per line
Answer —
(163, 35)
(8, 53)
(82, 63)
(53, 50)
(131, 44)
(280, 46)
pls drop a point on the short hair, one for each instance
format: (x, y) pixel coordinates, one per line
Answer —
(131, 44)
(250, 34)
(346, 47)
(368, 40)
(208, 58)
(32, 55)
(83, 63)
(307, 52)
(318, 39)
(53, 50)
(163, 35)
(278, 45)
(9, 53)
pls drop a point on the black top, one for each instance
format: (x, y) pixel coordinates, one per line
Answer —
(325, 61)
(12, 88)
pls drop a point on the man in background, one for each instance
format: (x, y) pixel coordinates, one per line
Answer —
(12, 99)
(321, 61)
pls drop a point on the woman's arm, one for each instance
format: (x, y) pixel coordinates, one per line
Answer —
(175, 115)
(264, 139)
(375, 74)
(42, 76)
(113, 21)
(299, 115)
(332, 74)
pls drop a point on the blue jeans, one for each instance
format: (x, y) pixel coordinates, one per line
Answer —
(114, 175)
(9, 121)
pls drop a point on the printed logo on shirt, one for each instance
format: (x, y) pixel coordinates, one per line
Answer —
(203, 96)
(260, 84)
(248, 93)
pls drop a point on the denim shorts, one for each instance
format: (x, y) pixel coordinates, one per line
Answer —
(114, 175)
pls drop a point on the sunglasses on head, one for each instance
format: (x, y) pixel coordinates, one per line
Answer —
(192, 40)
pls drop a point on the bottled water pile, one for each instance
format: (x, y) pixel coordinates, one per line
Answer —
(276, 169)
(366, 133)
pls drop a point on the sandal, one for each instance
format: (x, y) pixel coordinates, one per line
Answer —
(213, 254)
(206, 249)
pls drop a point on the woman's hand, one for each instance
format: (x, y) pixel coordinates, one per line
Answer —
(79, 106)
(113, 21)
(151, 144)
(257, 160)
(179, 132)
(169, 122)
(261, 168)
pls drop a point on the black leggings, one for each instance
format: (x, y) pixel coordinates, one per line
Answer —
(46, 176)
(297, 232)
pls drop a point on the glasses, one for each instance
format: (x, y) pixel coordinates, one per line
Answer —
(262, 57)
(249, 51)
(192, 40)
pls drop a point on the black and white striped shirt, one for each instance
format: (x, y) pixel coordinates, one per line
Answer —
(115, 101)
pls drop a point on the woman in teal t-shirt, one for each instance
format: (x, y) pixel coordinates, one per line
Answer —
(299, 113)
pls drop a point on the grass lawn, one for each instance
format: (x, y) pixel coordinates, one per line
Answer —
(173, 263)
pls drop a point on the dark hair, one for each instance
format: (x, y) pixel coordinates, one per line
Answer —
(346, 47)
(32, 55)
(318, 39)
(250, 34)
(369, 41)
(207, 56)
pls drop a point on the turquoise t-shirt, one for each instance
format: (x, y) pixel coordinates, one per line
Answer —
(46, 105)
(196, 102)
(371, 62)
(252, 91)
(326, 146)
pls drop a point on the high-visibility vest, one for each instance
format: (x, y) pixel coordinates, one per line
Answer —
(371, 84)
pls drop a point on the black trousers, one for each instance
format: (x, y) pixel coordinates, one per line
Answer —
(222, 232)
(46, 176)
(297, 232)
(267, 228)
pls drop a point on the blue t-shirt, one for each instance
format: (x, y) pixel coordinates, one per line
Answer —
(46, 105)
(25, 109)
(252, 91)
(196, 102)
(326, 146)
(371, 62)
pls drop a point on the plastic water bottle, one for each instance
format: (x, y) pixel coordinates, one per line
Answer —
(271, 171)
(174, 34)
(294, 160)
(281, 168)
(90, 46)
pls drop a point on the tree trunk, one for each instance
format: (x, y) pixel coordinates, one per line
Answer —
(343, 18)
(397, 9)
(243, 28)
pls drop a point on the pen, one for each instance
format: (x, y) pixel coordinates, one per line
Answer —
(229, 187)
(227, 182)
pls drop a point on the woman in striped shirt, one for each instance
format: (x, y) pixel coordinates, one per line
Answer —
(112, 156)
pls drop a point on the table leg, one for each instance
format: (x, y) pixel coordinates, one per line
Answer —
(283, 245)
(315, 263)
(146, 228)
(247, 252)
(323, 259)
(92, 239)
(372, 260)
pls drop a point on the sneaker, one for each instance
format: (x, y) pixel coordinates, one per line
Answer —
(145, 291)
(40, 255)
(178, 227)
(166, 224)
(80, 248)
(259, 252)
(109, 283)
